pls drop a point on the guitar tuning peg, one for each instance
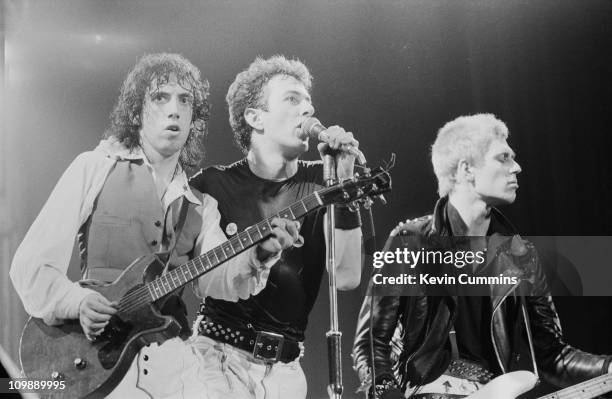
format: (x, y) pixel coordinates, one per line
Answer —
(379, 196)
(359, 193)
(382, 199)
(345, 195)
(367, 203)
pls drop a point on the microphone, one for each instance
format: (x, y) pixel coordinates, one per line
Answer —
(313, 128)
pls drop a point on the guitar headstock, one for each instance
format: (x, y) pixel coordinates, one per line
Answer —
(360, 187)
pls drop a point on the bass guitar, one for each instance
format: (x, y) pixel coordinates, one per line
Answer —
(511, 385)
(516, 383)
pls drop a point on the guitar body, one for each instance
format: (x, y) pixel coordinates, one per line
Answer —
(516, 383)
(94, 369)
(507, 386)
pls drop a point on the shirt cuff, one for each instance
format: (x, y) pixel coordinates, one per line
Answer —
(68, 306)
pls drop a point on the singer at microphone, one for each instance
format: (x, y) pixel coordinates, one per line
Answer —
(269, 103)
(313, 128)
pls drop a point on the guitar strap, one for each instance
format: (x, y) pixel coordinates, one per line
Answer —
(173, 305)
(177, 230)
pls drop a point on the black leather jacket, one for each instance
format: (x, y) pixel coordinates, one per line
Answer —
(410, 333)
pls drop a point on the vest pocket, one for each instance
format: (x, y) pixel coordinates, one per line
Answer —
(112, 220)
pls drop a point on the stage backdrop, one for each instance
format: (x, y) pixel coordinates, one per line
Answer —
(392, 72)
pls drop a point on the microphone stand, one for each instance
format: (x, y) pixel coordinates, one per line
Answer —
(334, 335)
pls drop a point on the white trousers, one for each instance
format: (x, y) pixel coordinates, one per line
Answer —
(169, 371)
(203, 368)
(229, 372)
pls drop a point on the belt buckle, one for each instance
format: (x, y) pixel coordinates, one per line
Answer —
(268, 346)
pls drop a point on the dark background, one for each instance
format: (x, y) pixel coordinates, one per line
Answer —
(392, 72)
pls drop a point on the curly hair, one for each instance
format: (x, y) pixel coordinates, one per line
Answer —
(125, 119)
(466, 137)
(247, 91)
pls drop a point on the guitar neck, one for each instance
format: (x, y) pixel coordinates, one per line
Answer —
(585, 390)
(178, 277)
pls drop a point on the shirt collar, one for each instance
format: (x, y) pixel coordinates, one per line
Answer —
(114, 149)
(498, 223)
(457, 225)
(180, 179)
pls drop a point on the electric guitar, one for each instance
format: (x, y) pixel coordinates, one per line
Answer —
(509, 386)
(93, 369)
(516, 383)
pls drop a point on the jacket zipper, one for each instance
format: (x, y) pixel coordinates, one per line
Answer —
(491, 327)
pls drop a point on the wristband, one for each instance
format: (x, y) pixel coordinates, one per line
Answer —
(345, 218)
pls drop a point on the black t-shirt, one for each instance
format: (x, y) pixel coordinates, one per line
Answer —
(293, 284)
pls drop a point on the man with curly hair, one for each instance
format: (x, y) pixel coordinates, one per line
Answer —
(130, 197)
(267, 104)
(424, 345)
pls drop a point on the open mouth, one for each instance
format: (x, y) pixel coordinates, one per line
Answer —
(173, 128)
(301, 133)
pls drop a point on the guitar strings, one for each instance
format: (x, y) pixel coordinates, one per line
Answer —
(143, 296)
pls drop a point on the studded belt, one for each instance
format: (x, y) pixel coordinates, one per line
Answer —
(267, 346)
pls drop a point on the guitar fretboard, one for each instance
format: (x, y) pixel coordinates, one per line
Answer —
(586, 390)
(344, 192)
(171, 281)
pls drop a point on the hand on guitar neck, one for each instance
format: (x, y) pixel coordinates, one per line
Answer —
(285, 233)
